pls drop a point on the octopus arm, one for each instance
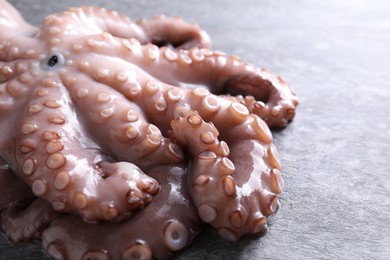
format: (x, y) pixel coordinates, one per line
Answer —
(125, 133)
(15, 34)
(175, 32)
(166, 225)
(264, 94)
(24, 220)
(11, 22)
(142, 79)
(11, 187)
(160, 30)
(23, 217)
(261, 92)
(65, 167)
(94, 20)
(232, 193)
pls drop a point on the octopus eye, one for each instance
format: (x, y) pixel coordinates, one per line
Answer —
(53, 62)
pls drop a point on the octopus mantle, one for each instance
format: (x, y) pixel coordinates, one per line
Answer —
(118, 138)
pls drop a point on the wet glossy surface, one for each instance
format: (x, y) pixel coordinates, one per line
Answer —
(335, 154)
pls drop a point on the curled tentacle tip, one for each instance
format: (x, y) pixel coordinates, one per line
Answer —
(150, 186)
(135, 198)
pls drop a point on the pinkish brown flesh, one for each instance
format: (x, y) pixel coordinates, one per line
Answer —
(126, 129)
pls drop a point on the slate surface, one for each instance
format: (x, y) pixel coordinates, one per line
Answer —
(336, 54)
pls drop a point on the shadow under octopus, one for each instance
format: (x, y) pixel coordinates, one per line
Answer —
(128, 136)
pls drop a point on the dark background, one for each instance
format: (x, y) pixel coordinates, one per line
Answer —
(335, 155)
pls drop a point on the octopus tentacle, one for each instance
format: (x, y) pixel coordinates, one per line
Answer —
(273, 99)
(11, 22)
(231, 194)
(23, 217)
(95, 20)
(163, 102)
(131, 137)
(268, 96)
(62, 165)
(171, 218)
(278, 109)
(15, 34)
(12, 188)
(25, 220)
(162, 30)
(12, 48)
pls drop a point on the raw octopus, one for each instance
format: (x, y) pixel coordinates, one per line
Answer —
(119, 139)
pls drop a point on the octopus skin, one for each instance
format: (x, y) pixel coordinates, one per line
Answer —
(12, 189)
(168, 224)
(118, 121)
(172, 220)
(232, 192)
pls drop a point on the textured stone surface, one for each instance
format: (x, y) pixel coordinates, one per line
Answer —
(335, 155)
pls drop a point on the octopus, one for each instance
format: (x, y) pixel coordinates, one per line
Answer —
(120, 139)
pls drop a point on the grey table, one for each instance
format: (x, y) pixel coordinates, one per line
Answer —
(335, 155)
